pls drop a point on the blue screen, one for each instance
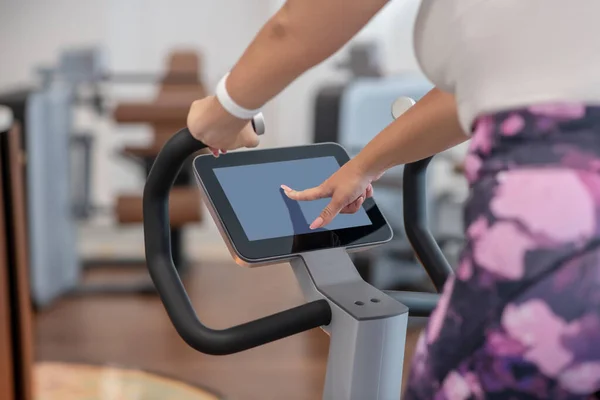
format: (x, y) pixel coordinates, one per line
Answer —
(263, 209)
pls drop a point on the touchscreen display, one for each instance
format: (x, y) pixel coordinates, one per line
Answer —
(263, 209)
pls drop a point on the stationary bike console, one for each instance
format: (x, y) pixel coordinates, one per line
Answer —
(260, 224)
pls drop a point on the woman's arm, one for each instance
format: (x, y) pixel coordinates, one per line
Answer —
(301, 35)
(429, 127)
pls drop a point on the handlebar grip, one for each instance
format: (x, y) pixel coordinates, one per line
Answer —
(415, 223)
(159, 261)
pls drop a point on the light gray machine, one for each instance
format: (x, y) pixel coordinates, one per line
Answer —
(52, 228)
(367, 326)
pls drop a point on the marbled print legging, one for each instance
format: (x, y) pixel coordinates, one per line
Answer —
(521, 318)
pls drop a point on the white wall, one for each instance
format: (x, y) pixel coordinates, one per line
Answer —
(33, 31)
(142, 32)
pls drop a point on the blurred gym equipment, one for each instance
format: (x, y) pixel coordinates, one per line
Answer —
(363, 61)
(58, 171)
(84, 71)
(165, 114)
(16, 336)
(83, 74)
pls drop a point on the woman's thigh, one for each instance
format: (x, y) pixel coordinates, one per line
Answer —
(521, 318)
(542, 344)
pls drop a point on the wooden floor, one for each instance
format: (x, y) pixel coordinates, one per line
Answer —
(135, 332)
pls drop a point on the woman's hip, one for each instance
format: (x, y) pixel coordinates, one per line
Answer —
(534, 209)
(535, 183)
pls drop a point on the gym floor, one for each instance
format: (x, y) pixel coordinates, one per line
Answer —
(134, 332)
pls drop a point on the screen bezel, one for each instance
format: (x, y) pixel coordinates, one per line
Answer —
(288, 246)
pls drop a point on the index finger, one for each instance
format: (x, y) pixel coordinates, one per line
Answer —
(328, 214)
(305, 195)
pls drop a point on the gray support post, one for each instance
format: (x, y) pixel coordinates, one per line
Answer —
(368, 328)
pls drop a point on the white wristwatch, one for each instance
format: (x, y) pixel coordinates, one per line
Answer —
(230, 105)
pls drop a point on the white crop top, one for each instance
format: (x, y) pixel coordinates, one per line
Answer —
(495, 55)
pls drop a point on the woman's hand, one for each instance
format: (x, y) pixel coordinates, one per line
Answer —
(348, 188)
(211, 124)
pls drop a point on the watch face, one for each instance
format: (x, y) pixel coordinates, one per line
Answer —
(401, 105)
(258, 124)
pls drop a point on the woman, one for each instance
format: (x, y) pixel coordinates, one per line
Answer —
(522, 78)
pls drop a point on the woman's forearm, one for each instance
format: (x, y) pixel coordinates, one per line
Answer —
(301, 35)
(429, 127)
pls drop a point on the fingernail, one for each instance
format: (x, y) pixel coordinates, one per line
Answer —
(286, 188)
(317, 223)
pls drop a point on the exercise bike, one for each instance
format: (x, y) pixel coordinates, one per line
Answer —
(261, 226)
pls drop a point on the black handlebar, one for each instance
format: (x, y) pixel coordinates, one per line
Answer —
(168, 284)
(415, 223)
(162, 270)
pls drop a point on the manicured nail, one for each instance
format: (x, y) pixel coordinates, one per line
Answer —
(317, 223)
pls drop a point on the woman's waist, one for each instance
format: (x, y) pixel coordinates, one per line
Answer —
(559, 135)
(500, 95)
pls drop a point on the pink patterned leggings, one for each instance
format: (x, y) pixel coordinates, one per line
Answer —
(521, 318)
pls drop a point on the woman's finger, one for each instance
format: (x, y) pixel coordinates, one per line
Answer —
(369, 192)
(215, 152)
(315, 193)
(328, 214)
